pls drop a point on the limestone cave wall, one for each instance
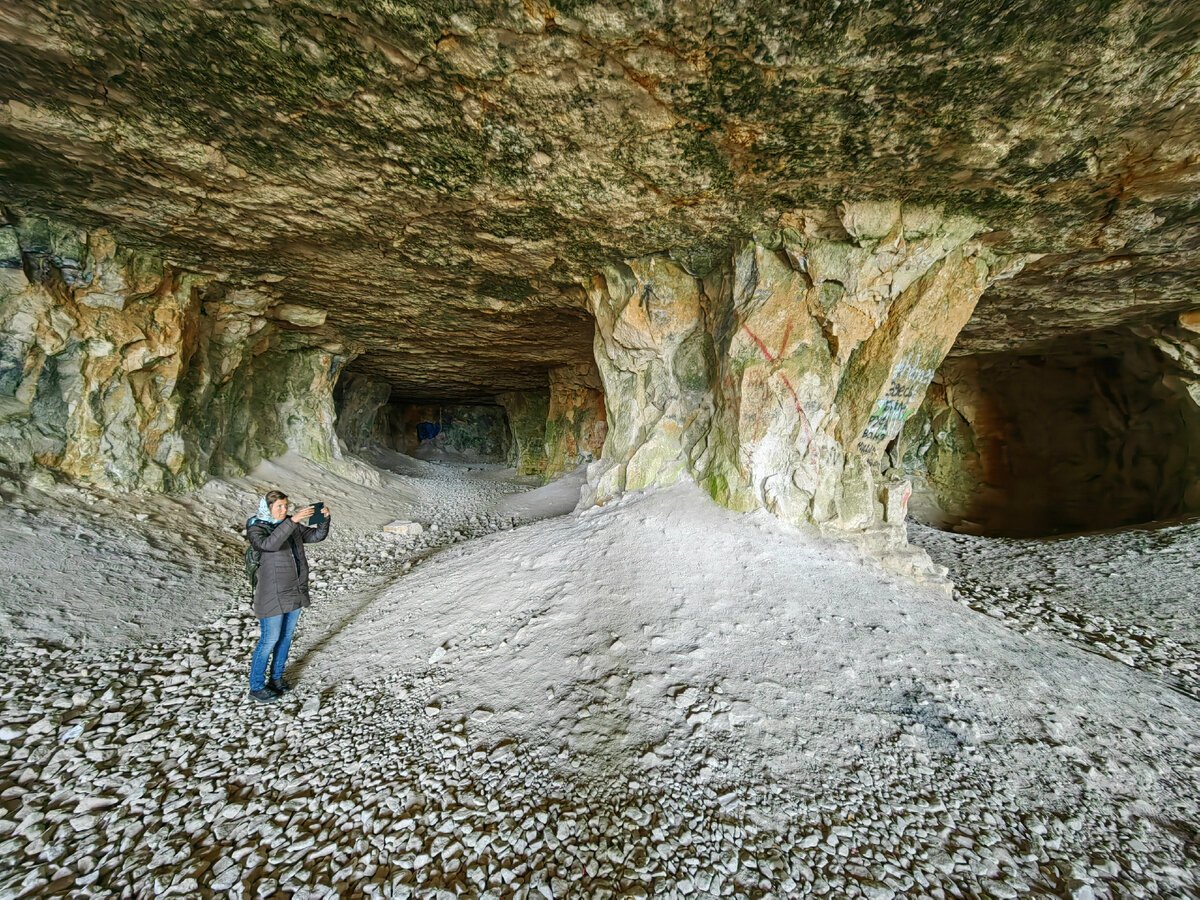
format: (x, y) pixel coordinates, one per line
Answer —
(477, 430)
(359, 400)
(123, 371)
(527, 413)
(780, 379)
(576, 422)
(444, 201)
(1096, 431)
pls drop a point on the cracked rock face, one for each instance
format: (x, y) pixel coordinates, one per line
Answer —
(119, 370)
(782, 379)
(436, 179)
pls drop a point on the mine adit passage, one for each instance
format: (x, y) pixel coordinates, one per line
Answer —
(718, 340)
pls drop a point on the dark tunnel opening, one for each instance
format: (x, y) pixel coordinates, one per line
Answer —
(1094, 432)
(512, 428)
(371, 412)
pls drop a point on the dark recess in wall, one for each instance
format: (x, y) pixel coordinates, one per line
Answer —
(1096, 432)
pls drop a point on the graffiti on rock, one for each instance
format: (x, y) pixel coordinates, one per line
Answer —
(906, 387)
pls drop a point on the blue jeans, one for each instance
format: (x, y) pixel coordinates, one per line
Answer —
(275, 640)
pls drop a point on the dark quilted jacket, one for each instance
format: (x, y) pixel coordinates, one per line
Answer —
(283, 575)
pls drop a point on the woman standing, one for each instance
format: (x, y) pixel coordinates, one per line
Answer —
(282, 588)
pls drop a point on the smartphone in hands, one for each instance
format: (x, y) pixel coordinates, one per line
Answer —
(318, 517)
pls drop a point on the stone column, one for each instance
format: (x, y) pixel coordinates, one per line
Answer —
(951, 447)
(576, 424)
(527, 412)
(361, 400)
(656, 359)
(299, 385)
(780, 379)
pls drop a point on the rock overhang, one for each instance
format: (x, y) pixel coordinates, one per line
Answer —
(438, 179)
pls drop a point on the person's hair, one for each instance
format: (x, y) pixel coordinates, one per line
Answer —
(275, 496)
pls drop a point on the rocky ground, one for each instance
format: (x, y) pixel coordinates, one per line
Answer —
(143, 770)
(1129, 595)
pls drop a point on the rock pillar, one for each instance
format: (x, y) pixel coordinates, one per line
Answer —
(297, 387)
(656, 359)
(253, 391)
(576, 424)
(781, 379)
(360, 402)
(526, 412)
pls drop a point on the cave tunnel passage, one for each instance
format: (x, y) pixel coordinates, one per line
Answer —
(370, 411)
(1094, 432)
(474, 432)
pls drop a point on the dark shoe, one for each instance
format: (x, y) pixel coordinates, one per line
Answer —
(279, 686)
(264, 695)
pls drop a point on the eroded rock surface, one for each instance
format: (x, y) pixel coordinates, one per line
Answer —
(781, 379)
(361, 399)
(576, 423)
(422, 196)
(120, 370)
(527, 412)
(463, 165)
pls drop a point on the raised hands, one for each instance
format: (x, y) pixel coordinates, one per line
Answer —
(302, 514)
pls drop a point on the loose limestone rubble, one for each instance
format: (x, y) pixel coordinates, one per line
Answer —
(669, 240)
(404, 527)
(1079, 588)
(142, 770)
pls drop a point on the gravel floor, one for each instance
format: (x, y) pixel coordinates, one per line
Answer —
(1130, 595)
(146, 772)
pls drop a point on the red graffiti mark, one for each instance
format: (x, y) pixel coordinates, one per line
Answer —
(799, 408)
(761, 345)
(907, 494)
(795, 397)
(803, 421)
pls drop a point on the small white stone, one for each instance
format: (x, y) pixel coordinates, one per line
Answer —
(405, 527)
(89, 804)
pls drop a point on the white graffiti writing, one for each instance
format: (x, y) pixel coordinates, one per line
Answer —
(906, 387)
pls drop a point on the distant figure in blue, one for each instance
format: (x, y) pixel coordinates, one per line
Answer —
(282, 587)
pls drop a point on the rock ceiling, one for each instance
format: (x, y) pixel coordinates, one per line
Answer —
(439, 176)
